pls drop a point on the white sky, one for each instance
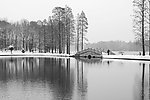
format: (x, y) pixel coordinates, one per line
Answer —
(108, 19)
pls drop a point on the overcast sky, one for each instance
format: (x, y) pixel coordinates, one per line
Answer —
(108, 19)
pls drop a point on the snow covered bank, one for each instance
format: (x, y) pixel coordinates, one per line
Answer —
(18, 53)
(29, 54)
(127, 57)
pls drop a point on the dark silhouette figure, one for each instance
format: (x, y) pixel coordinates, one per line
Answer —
(89, 56)
(11, 48)
(32, 51)
(23, 51)
(108, 52)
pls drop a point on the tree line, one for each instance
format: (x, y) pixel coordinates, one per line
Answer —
(55, 34)
(116, 46)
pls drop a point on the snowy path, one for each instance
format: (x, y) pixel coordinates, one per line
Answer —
(30, 54)
(127, 57)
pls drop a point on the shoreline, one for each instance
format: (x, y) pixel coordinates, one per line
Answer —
(127, 57)
(29, 54)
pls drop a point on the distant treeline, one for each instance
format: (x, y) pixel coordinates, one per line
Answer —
(116, 46)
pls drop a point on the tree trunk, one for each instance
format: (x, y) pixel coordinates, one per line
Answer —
(60, 51)
(32, 44)
(149, 39)
(52, 38)
(149, 27)
(44, 40)
(82, 36)
(63, 40)
(64, 43)
(143, 46)
(52, 42)
(16, 43)
(5, 40)
(68, 39)
(55, 46)
(27, 42)
(23, 42)
(77, 38)
(69, 44)
(39, 43)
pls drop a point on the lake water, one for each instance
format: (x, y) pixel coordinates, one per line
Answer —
(35, 78)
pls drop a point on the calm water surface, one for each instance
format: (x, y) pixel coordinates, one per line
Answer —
(29, 78)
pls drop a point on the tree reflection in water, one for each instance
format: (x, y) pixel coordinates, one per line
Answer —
(54, 71)
(145, 94)
(143, 74)
(144, 83)
(81, 82)
(149, 82)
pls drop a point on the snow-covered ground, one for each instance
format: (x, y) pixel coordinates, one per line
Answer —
(105, 56)
(19, 53)
(127, 57)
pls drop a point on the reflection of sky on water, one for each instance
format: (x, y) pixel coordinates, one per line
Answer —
(69, 79)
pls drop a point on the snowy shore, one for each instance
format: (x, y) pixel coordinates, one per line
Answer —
(127, 57)
(30, 54)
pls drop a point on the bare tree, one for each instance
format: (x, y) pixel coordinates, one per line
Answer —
(82, 27)
(39, 22)
(149, 22)
(70, 29)
(58, 15)
(139, 21)
(78, 26)
(25, 33)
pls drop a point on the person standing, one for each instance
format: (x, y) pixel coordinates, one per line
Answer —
(108, 51)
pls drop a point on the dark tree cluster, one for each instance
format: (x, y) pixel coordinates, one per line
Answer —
(55, 34)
